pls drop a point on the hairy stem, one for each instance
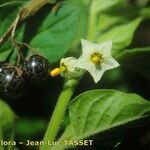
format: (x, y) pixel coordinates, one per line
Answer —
(59, 112)
(32, 8)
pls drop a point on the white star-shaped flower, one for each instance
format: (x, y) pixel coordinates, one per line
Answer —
(96, 58)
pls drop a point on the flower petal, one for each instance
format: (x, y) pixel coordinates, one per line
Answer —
(69, 62)
(83, 63)
(95, 71)
(105, 48)
(70, 71)
(96, 74)
(88, 47)
(109, 63)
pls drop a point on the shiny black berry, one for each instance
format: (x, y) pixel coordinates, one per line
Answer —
(36, 69)
(11, 81)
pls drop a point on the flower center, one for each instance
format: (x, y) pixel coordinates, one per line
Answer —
(97, 58)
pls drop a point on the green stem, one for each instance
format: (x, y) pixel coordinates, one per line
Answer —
(67, 135)
(32, 8)
(59, 112)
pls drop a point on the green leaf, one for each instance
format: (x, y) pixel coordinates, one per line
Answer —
(137, 59)
(121, 35)
(112, 20)
(82, 22)
(11, 1)
(9, 55)
(7, 116)
(4, 55)
(100, 111)
(54, 35)
(5, 1)
(8, 12)
(116, 15)
(101, 5)
(95, 10)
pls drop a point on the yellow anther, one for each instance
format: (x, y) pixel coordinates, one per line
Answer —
(96, 58)
(55, 72)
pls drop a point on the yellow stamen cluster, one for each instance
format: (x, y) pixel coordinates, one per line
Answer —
(97, 58)
(57, 71)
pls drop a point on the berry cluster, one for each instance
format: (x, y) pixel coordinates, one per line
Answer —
(34, 71)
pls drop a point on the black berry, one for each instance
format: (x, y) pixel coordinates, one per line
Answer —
(36, 69)
(11, 80)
